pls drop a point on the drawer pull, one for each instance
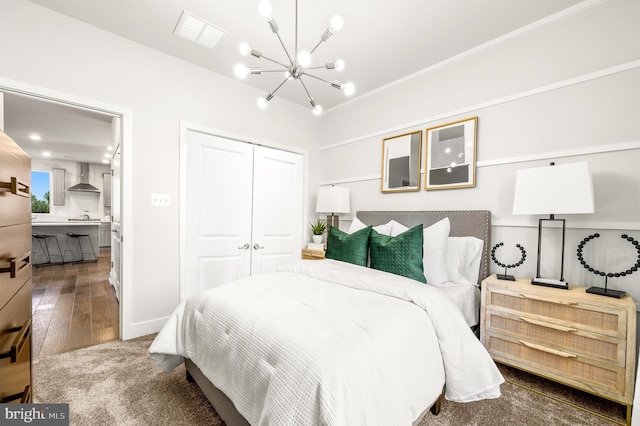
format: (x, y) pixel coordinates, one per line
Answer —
(548, 350)
(17, 188)
(542, 299)
(24, 396)
(13, 267)
(19, 342)
(548, 325)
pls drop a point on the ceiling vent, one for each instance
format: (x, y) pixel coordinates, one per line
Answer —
(198, 30)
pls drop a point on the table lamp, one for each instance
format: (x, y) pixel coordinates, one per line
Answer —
(561, 189)
(333, 199)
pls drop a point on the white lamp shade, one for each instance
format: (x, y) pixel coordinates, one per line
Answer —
(561, 189)
(332, 199)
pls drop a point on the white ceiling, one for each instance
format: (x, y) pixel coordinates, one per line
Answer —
(381, 42)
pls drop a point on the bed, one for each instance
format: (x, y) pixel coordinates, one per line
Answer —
(332, 343)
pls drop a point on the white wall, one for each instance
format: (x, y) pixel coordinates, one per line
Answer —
(565, 91)
(45, 49)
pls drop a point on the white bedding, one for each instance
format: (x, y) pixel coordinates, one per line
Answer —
(329, 343)
(466, 297)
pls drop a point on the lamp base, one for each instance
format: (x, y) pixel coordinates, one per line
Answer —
(333, 220)
(505, 277)
(550, 282)
(606, 292)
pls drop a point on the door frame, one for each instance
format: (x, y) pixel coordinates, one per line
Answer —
(127, 326)
(185, 128)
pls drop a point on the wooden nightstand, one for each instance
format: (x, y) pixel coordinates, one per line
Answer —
(581, 340)
(308, 254)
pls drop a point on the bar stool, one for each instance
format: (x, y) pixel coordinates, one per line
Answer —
(43, 244)
(77, 237)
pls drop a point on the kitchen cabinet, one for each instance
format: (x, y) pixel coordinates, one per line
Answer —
(105, 234)
(106, 189)
(58, 186)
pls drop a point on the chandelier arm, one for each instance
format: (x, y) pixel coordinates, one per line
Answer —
(286, 67)
(316, 46)
(317, 68)
(334, 84)
(285, 49)
(305, 89)
(279, 86)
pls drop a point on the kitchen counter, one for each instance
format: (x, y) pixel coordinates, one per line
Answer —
(60, 230)
(70, 223)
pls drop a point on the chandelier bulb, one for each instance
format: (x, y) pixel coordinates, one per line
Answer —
(244, 48)
(265, 9)
(304, 58)
(317, 110)
(241, 71)
(336, 23)
(348, 88)
(263, 103)
(339, 65)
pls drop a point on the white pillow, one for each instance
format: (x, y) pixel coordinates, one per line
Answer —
(464, 255)
(396, 228)
(384, 229)
(434, 254)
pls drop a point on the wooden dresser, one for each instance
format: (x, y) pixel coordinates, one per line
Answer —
(579, 339)
(15, 273)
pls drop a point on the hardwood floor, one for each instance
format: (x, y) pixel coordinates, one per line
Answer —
(74, 306)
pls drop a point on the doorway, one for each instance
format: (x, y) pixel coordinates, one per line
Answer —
(91, 274)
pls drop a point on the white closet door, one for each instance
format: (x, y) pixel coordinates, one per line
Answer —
(277, 208)
(218, 212)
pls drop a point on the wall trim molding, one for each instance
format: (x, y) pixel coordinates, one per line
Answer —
(605, 72)
(607, 226)
(505, 37)
(591, 150)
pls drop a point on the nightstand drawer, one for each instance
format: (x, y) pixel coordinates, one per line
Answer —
(600, 348)
(562, 310)
(309, 254)
(560, 365)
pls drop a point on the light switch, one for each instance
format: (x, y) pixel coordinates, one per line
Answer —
(160, 200)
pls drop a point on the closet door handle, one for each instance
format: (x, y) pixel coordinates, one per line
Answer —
(13, 268)
(244, 247)
(19, 342)
(257, 246)
(17, 188)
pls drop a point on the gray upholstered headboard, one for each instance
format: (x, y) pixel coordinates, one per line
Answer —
(476, 223)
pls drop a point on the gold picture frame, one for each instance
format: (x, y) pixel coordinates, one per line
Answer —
(451, 155)
(401, 162)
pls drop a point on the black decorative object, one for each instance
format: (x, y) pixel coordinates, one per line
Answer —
(504, 276)
(604, 291)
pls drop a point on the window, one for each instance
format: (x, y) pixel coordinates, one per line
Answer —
(40, 192)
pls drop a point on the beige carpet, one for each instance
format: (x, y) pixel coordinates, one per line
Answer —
(116, 383)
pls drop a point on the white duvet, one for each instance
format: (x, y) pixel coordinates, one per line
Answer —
(329, 343)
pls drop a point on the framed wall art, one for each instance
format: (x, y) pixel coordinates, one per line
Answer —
(401, 162)
(451, 155)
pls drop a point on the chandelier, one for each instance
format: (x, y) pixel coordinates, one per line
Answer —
(298, 67)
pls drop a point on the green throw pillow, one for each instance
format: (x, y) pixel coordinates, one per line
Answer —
(350, 248)
(400, 255)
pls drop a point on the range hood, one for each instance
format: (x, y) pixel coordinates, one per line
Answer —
(84, 185)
